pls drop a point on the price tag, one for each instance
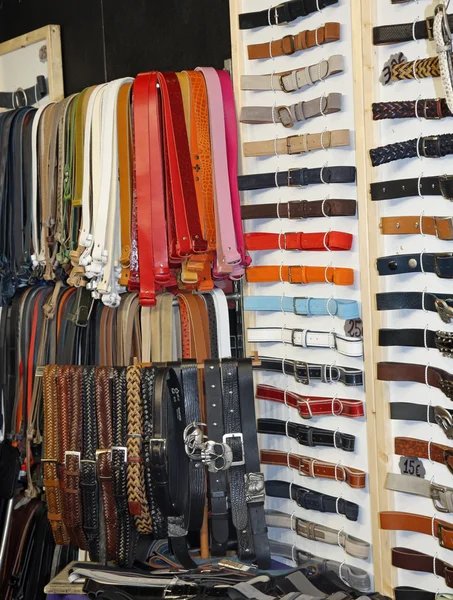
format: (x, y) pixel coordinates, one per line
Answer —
(412, 466)
(354, 328)
(386, 73)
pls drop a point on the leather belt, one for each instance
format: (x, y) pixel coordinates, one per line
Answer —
(311, 500)
(306, 435)
(418, 69)
(319, 533)
(404, 558)
(394, 371)
(297, 178)
(310, 407)
(305, 372)
(288, 116)
(408, 411)
(405, 32)
(441, 227)
(439, 303)
(404, 188)
(400, 521)
(290, 81)
(421, 449)
(418, 338)
(310, 467)
(439, 263)
(343, 309)
(331, 240)
(410, 593)
(283, 13)
(306, 338)
(428, 108)
(300, 209)
(329, 32)
(441, 495)
(302, 274)
(433, 146)
(300, 144)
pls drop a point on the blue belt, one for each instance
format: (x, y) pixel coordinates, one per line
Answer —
(344, 309)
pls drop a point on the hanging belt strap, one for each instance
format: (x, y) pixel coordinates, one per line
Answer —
(126, 165)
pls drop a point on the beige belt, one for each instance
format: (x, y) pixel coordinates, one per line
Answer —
(298, 144)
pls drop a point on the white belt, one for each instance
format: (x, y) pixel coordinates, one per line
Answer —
(223, 323)
(294, 80)
(306, 338)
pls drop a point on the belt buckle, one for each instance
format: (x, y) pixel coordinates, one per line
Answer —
(436, 265)
(438, 220)
(430, 28)
(277, 22)
(121, 449)
(240, 437)
(439, 106)
(254, 488)
(444, 311)
(288, 145)
(304, 380)
(99, 452)
(283, 108)
(302, 202)
(435, 492)
(293, 333)
(442, 180)
(290, 277)
(292, 44)
(445, 421)
(430, 138)
(440, 529)
(71, 453)
(294, 304)
(444, 343)
(447, 388)
(289, 184)
(448, 453)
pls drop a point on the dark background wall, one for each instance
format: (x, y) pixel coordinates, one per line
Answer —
(106, 39)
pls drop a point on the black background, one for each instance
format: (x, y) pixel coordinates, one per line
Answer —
(106, 39)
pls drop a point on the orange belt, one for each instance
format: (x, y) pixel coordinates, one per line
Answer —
(296, 274)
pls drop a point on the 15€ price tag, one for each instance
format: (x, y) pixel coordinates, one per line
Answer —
(412, 466)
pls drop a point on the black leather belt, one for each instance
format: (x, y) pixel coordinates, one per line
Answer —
(405, 188)
(25, 97)
(427, 108)
(433, 146)
(439, 263)
(304, 372)
(440, 303)
(405, 32)
(306, 435)
(408, 411)
(410, 593)
(254, 478)
(311, 500)
(297, 178)
(283, 13)
(418, 338)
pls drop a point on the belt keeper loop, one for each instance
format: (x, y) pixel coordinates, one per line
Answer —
(419, 186)
(426, 375)
(324, 241)
(421, 223)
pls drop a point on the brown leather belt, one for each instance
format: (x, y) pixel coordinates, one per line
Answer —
(300, 209)
(421, 449)
(412, 560)
(400, 521)
(393, 371)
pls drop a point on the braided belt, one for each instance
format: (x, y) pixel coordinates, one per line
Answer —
(125, 531)
(433, 146)
(416, 69)
(432, 108)
(51, 434)
(138, 504)
(88, 483)
(442, 37)
(103, 455)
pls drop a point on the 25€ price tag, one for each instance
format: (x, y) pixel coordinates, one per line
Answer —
(412, 466)
(354, 328)
(386, 73)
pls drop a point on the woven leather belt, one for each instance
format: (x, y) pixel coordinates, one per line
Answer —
(422, 449)
(400, 521)
(310, 467)
(288, 116)
(305, 372)
(416, 69)
(312, 406)
(405, 188)
(441, 227)
(441, 495)
(440, 303)
(394, 371)
(311, 500)
(298, 144)
(430, 109)
(440, 263)
(300, 209)
(418, 338)
(434, 146)
(301, 274)
(405, 32)
(283, 13)
(319, 533)
(297, 178)
(306, 435)
(343, 309)
(404, 558)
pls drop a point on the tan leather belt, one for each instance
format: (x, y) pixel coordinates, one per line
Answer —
(298, 144)
(422, 449)
(441, 227)
(400, 521)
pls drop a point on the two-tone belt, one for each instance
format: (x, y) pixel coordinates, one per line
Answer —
(427, 108)
(302, 144)
(408, 411)
(304, 306)
(306, 435)
(426, 301)
(319, 533)
(441, 227)
(405, 32)
(441, 185)
(433, 146)
(306, 338)
(404, 558)
(297, 178)
(431, 376)
(416, 69)
(329, 241)
(282, 13)
(306, 372)
(422, 449)
(289, 115)
(314, 468)
(311, 500)
(441, 495)
(440, 263)
(290, 81)
(312, 406)
(400, 521)
(418, 338)
(301, 274)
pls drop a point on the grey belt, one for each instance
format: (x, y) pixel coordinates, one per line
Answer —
(319, 533)
(352, 576)
(289, 115)
(441, 495)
